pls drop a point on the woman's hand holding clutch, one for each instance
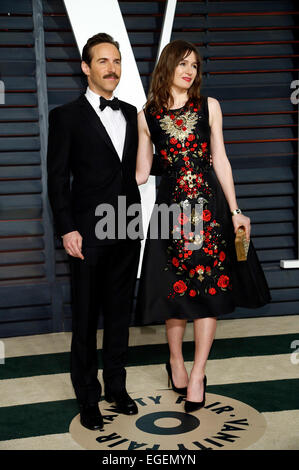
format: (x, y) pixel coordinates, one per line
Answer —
(242, 220)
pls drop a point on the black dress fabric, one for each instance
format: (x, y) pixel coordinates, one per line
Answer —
(206, 280)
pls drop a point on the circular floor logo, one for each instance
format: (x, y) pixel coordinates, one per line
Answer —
(162, 424)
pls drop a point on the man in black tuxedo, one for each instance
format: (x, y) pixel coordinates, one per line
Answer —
(94, 139)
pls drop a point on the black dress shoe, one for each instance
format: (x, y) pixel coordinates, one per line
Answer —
(196, 405)
(124, 403)
(90, 417)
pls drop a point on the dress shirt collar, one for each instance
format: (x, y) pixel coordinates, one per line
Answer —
(94, 98)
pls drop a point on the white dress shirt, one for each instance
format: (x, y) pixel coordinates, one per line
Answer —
(113, 120)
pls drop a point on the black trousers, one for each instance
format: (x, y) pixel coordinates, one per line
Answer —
(104, 280)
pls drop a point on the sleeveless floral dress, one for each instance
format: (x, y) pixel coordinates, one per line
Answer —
(192, 271)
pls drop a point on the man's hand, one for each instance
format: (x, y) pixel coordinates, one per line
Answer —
(72, 243)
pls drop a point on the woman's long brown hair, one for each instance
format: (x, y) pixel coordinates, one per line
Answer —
(159, 95)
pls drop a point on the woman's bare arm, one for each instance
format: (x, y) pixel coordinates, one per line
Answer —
(145, 151)
(222, 166)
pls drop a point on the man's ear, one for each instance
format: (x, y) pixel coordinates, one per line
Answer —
(85, 68)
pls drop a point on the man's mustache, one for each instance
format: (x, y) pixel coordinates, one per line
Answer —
(111, 75)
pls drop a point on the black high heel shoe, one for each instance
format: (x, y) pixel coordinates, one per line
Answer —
(196, 405)
(181, 391)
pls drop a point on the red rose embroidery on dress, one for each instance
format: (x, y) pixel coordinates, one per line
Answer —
(223, 281)
(183, 219)
(206, 215)
(179, 287)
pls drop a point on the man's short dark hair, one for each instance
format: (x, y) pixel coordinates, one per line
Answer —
(93, 41)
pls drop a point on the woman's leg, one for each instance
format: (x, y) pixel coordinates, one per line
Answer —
(175, 330)
(204, 333)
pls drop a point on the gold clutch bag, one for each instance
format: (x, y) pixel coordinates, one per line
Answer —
(241, 244)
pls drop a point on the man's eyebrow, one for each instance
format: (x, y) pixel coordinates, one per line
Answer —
(106, 58)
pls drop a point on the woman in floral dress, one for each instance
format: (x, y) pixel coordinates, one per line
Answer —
(191, 274)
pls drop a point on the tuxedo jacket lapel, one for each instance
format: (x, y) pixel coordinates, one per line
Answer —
(99, 127)
(96, 123)
(128, 117)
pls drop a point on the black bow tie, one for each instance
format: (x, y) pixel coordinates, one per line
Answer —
(114, 104)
